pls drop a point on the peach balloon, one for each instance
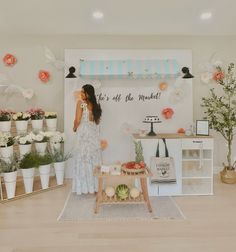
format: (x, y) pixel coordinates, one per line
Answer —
(163, 86)
(103, 144)
(181, 131)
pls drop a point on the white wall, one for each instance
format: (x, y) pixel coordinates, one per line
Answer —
(29, 52)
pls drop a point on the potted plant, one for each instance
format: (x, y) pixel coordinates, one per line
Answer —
(44, 169)
(21, 119)
(56, 140)
(9, 170)
(36, 116)
(6, 145)
(25, 143)
(59, 159)
(28, 163)
(41, 140)
(51, 121)
(221, 113)
(5, 120)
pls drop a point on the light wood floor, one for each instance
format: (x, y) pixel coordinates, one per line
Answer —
(29, 225)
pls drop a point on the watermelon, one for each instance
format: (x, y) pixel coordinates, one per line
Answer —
(122, 191)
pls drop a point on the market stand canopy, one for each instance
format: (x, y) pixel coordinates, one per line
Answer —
(129, 69)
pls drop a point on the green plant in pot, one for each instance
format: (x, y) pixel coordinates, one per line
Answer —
(9, 166)
(30, 160)
(28, 163)
(9, 169)
(44, 169)
(220, 110)
(59, 158)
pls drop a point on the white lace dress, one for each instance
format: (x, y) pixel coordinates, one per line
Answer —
(87, 154)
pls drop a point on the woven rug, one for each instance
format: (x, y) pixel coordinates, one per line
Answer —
(81, 208)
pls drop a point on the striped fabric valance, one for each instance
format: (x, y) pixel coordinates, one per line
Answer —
(133, 69)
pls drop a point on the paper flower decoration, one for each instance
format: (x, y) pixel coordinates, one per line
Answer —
(44, 76)
(167, 113)
(9, 60)
(163, 86)
(181, 131)
(218, 75)
(206, 77)
(103, 144)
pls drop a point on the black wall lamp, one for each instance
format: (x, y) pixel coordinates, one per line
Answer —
(187, 74)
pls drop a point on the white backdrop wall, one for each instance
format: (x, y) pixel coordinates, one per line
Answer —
(29, 51)
(133, 110)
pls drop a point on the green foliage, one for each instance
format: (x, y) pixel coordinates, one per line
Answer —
(221, 110)
(138, 151)
(60, 156)
(30, 160)
(45, 159)
(9, 166)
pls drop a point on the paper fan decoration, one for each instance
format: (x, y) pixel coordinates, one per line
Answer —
(206, 77)
(51, 59)
(13, 89)
(9, 60)
(44, 76)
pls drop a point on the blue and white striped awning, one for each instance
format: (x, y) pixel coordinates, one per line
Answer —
(133, 69)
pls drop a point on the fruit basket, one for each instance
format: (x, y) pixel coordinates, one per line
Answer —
(133, 167)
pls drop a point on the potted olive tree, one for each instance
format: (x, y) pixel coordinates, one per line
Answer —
(220, 110)
(9, 170)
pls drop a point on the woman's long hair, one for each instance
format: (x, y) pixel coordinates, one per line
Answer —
(90, 95)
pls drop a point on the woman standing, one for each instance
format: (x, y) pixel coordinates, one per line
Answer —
(87, 150)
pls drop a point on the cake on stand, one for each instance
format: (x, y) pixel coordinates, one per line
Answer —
(151, 120)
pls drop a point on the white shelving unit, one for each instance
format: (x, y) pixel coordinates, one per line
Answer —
(197, 166)
(193, 157)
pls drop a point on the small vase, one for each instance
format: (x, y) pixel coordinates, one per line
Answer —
(5, 126)
(24, 149)
(51, 124)
(37, 125)
(44, 172)
(41, 147)
(21, 126)
(6, 152)
(28, 177)
(10, 183)
(59, 170)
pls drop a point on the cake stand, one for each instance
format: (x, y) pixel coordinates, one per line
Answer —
(151, 133)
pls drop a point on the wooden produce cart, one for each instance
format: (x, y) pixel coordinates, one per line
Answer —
(102, 198)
